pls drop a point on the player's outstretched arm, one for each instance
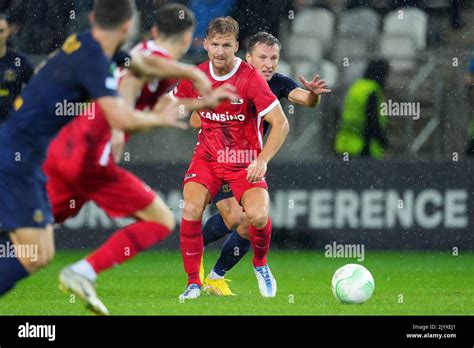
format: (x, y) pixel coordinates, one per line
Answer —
(278, 133)
(120, 115)
(211, 101)
(312, 96)
(162, 68)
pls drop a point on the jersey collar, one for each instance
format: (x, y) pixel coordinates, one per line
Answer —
(238, 61)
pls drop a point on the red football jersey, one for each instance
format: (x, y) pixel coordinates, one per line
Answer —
(232, 133)
(85, 142)
(152, 91)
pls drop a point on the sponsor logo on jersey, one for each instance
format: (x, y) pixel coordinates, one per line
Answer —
(189, 176)
(238, 102)
(222, 117)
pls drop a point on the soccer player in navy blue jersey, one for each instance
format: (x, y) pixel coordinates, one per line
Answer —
(15, 70)
(80, 71)
(263, 53)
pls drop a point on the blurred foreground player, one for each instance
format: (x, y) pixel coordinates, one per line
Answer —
(81, 70)
(263, 53)
(80, 165)
(230, 150)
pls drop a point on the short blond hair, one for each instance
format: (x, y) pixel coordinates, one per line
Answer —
(223, 26)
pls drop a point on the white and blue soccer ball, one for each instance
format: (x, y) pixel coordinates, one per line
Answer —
(353, 284)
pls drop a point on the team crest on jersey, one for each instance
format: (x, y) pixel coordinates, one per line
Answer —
(71, 44)
(38, 216)
(226, 188)
(9, 75)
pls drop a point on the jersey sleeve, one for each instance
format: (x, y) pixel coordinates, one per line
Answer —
(287, 85)
(183, 90)
(260, 94)
(97, 76)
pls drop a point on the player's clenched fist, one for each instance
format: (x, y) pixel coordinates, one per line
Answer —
(169, 113)
(256, 170)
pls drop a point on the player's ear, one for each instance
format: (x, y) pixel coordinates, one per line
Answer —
(236, 47)
(154, 32)
(248, 58)
(206, 44)
(127, 26)
(92, 18)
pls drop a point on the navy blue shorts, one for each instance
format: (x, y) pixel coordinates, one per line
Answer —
(224, 193)
(24, 201)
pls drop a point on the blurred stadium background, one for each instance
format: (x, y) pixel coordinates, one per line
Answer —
(420, 196)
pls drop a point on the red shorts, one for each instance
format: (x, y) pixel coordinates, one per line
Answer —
(212, 175)
(114, 189)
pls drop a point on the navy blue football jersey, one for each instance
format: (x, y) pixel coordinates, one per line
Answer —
(281, 85)
(74, 74)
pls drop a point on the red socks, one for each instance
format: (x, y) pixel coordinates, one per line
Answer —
(192, 248)
(126, 243)
(260, 240)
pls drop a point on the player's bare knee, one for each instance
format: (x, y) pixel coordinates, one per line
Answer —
(258, 219)
(37, 260)
(244, 232)
(233, 218)
(192, 211)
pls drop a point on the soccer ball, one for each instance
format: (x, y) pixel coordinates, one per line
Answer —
(353, 284)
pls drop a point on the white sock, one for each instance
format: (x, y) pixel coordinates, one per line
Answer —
(214, 276)
(85, 269)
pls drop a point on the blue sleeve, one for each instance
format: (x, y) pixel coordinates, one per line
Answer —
(96, 75)
(286, 85)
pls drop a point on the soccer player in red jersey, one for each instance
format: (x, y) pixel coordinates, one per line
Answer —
(81, 161)
(230, 150)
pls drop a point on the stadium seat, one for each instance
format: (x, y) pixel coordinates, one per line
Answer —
(305, 48)
(305, 68)
(408, 21)
(284, 68)
(351, 48)
(329, 73)
(318, 23)
(400, 50)
(353, 71)
(362, 23)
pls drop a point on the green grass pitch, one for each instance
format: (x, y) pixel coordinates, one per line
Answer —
(406, 283)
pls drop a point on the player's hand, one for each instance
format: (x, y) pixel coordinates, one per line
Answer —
(256, 171)
(316, 85)
(201, 82)
(218, 95)
(118, 144)
(169, 113)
